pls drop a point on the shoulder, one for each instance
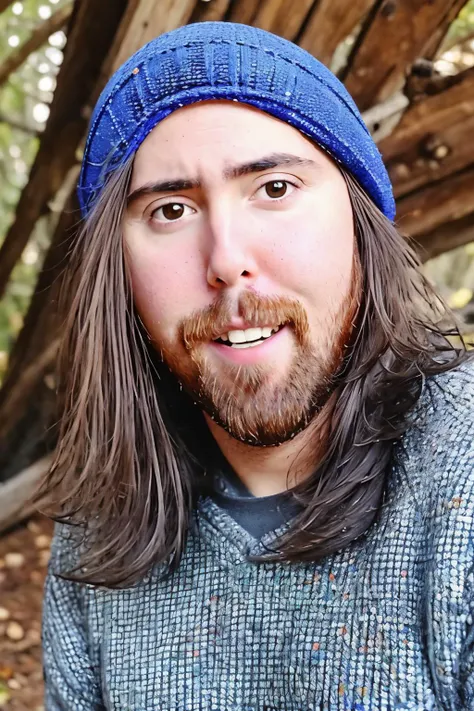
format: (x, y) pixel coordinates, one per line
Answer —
(66, 548)
(436, 467)
(447, 399)
(439, 458)
(439, 444)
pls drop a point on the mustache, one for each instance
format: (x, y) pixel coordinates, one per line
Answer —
(255, 309)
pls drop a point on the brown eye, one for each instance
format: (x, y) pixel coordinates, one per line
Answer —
(171, 212)
(276, 188)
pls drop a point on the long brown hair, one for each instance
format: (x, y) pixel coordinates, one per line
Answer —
(127, 469)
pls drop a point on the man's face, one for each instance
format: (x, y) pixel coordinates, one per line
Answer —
(240, 241)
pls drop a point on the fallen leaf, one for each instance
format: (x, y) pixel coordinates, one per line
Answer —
(5, 673)
(4, 693)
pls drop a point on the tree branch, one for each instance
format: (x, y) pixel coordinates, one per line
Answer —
(329, 23)
(396, 34)
(5, 4)
(16, 494)
(35, 41)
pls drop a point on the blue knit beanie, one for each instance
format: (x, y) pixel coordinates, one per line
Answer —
(223, 60)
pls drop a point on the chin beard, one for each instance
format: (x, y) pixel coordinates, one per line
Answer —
(259, 414)
(265, 433)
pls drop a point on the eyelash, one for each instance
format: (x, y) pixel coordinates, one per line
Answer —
(273, 200)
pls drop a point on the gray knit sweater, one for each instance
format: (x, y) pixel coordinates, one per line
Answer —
(385, 624)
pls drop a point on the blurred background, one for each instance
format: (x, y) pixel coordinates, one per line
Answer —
(409, 64)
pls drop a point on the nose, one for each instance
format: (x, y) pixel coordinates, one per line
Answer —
(230, 262)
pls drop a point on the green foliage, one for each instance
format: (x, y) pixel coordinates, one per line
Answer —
(463, 26)
(23, 111)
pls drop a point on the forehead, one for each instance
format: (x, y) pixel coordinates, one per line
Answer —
(206, 136)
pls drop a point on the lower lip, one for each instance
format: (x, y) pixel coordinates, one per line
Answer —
(253, 354)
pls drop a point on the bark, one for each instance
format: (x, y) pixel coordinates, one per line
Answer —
(330, 22)
(396, 34)
(281, 18)
(17, 492)
(243, 11)
(434, 138)
(448, 236)
(5, 4)
(149, 20)
(432, 214)
(37, 39)
(210, 11)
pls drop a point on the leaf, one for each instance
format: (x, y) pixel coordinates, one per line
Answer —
(4, 693)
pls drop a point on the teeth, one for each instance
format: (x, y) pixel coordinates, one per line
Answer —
(251, 334)
(236, 336)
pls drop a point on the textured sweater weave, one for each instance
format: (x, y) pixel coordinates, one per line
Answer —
(385, 624)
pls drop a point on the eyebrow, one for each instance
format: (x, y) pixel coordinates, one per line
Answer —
(274, 160)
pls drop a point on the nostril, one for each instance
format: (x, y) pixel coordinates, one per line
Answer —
(245, 273)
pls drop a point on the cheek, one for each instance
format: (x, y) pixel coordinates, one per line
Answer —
(312, 253)
(164, 287)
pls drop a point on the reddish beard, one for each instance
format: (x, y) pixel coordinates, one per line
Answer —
(242, 399)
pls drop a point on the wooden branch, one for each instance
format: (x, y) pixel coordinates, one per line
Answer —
(425, 81)
(24, 385)
(281, 18)
(210, 11)
(92, 29)
(330, 22)
(243, 11)
(17, 492)
(38, 37)
(449, 236)
(425, 212)
(433, 139)
(149, 20)
(5, 4)
(397, 34)
(450, 12)
(381, 115)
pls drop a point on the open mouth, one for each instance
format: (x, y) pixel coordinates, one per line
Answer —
(249, 338)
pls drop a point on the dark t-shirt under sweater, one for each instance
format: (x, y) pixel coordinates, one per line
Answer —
(258, 515)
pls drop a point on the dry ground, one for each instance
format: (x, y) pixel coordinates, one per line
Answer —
(24, 554)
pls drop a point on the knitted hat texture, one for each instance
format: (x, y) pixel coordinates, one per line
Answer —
(223, 60)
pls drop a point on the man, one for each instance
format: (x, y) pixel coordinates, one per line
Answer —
(266, 438)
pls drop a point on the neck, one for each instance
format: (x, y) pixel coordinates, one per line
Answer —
(273, 470)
